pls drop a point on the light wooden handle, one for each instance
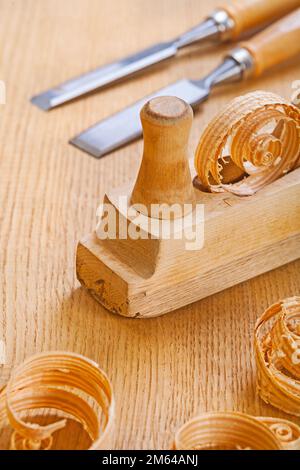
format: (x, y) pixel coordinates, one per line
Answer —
(279, 42)
(164, 176)
(249, 14)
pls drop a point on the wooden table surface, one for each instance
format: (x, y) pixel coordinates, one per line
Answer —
(164, 370)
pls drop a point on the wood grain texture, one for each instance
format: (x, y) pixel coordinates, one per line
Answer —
(166, 369)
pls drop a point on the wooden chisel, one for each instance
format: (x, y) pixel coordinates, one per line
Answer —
(226, 23)
(277, 43)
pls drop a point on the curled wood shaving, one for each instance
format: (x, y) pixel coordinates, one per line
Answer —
(286, 432)
(226, 431)
(68, 384)
(253, 141)
(277, 352)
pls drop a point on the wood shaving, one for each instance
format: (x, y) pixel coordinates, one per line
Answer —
(277, 353)
(251, 143)
(231, 431)
(287, 433)
(68, 384)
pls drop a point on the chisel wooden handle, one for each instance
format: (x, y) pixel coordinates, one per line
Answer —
(249, 14)
(277, 43)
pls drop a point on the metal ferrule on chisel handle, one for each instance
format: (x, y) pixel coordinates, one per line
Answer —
(243, 57)
(217, 27)
(237, 65)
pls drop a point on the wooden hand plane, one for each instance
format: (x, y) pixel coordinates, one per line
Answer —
(170, 243)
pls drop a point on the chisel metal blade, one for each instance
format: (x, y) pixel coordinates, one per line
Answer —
(103, 76)
(209, 29)
(125, 126)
